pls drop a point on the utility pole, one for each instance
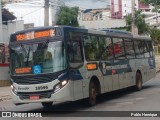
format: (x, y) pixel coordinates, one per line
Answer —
(1, 37)
(46, 13)
(133, 18)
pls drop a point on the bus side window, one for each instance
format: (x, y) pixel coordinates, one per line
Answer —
(106, 49)
(150, 48)
(129, 48)
(138, 49)
(146, 50)
(91, 47)
(75, 50)
(118, 47)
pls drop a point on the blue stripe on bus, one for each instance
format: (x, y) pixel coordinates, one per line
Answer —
(115, 67)
(71, 75)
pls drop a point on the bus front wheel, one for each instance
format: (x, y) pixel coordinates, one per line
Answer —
(138, 81)
(92, 94)
(47, 104)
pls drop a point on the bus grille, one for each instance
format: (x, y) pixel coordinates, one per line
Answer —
(28, 80)
(26, 95)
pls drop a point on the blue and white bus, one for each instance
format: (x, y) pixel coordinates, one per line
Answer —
(57, 64)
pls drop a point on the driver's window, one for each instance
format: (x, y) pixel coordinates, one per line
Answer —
(74, 47)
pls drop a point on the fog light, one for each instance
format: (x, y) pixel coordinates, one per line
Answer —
(58, 87)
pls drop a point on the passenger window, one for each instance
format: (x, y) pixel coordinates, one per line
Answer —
(75, 50)
(138, 49)
(129, 48)
(91, 47)
(106, 49)
(118, 47)
(146, 50)
(150, 48)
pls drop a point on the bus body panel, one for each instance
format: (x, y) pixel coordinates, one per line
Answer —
(112, 74)
(64, 94)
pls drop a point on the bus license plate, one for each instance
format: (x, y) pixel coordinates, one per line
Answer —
(34, 97)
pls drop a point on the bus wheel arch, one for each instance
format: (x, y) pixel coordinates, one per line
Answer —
(94, 90)
(139, 80)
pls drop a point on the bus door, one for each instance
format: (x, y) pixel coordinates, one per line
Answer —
(75, 62)
(120, 65)
(106, 62)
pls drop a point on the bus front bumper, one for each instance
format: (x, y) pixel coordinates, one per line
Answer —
(61, 95)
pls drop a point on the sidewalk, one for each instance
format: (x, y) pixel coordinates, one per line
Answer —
(5, 93)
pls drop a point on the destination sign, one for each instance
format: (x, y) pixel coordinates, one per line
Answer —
(23, 70)
(35, 35)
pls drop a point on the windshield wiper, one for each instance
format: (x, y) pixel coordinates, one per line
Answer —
(45, 43)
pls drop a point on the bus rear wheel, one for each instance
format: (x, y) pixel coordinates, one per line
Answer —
(92, 94)
(138, 81)
(47, 104)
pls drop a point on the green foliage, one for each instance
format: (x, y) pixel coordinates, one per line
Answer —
(154, 32)
(151, 2)
(3, 4)
(155, 35)
(139, 22)
(68, 16)
(154, 3)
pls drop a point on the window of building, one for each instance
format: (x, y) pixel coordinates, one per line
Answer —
(2, 54)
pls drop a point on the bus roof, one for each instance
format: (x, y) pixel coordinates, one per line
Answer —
(141, 37)
(107, 32)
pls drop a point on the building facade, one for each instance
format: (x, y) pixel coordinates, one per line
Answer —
(8, 25)
(99, 19)
(120, 8)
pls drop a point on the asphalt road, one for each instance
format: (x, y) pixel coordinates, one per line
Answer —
(148, 99)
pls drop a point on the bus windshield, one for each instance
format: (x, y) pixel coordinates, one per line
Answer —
(37, 58)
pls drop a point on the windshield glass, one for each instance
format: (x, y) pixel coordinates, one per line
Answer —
(38, 58)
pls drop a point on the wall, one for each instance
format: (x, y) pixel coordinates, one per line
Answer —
(10, 28)
(7, 30)
(100, 24)
(0, 23)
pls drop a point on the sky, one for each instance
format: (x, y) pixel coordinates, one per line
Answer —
(87, 4)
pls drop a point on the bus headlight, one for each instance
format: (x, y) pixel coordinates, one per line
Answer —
(60, 85)
(13, 89)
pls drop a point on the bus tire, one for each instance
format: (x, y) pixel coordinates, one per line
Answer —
(92, 94)
(138, 85)
(47, 104)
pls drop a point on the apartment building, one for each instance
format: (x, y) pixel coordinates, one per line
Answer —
(120, 8)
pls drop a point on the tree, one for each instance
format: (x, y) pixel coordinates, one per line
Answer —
(155, 35)
(139, 22)
(68, 16)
